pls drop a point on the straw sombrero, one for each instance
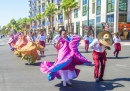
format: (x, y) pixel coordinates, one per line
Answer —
(105, 38)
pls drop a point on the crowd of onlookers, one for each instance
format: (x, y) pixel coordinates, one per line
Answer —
(2, 36)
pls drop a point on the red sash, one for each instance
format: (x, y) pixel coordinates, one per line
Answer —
(86, 42)
(41, 43)
(99, 55)
(117, 46)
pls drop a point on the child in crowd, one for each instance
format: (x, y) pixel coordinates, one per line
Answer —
(41, 38)
(117, 44)
(86, 41)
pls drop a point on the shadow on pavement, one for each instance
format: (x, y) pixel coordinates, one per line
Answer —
(117, 58)
(90, 86)
(120, 79)
(88, 65)
(37, 64)
(85, 52)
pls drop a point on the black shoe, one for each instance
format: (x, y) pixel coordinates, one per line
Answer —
(101, 79)
(117, 57)
(27, 64)
(97, 79)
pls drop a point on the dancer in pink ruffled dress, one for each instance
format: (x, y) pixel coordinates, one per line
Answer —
(68, 57)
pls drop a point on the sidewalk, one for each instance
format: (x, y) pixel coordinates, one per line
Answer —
(124, 42)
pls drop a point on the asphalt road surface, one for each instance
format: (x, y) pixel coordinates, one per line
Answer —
(16, 76)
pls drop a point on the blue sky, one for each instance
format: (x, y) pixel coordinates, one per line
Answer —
(13, 9)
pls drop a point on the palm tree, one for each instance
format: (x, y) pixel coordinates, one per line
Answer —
(13, 22)
(30, 20)
(9, 26)
(22, 22)
(49, 12)
(38, 17)
(25, 22)
(68, 6)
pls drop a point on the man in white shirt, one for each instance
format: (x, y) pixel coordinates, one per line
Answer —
(86, 41)
(55, 39)
(117, 44)
(99, 54)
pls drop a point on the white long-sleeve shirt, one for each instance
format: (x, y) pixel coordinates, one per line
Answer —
(55, 39)
(41, 37)
(33, 38)
(116, 40)
(86, 37)
(96, 47)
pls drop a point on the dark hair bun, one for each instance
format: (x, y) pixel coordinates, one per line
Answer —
(62, 30)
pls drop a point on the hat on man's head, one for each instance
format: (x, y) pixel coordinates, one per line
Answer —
(105, 38)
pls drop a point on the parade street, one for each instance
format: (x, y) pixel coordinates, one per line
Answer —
(16, 76)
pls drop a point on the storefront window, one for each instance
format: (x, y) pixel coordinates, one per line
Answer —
(98, 29)
(91, 22)
(76, 13)
(78, 28)
(98, 7)
(122, 17)
(110, 18)
(84, 24)
(122, 5)
(124, 30)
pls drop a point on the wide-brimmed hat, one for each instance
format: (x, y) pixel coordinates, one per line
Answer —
(105, 38)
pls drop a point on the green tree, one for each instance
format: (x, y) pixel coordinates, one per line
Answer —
(68, 6)
(12, 22)
(30, 21)
(8, 26)
(38, 17)
(3, 30)
(49, 12)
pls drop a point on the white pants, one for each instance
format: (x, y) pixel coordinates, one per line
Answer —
(67, 74)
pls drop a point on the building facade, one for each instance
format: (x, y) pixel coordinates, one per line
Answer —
(111, 15)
